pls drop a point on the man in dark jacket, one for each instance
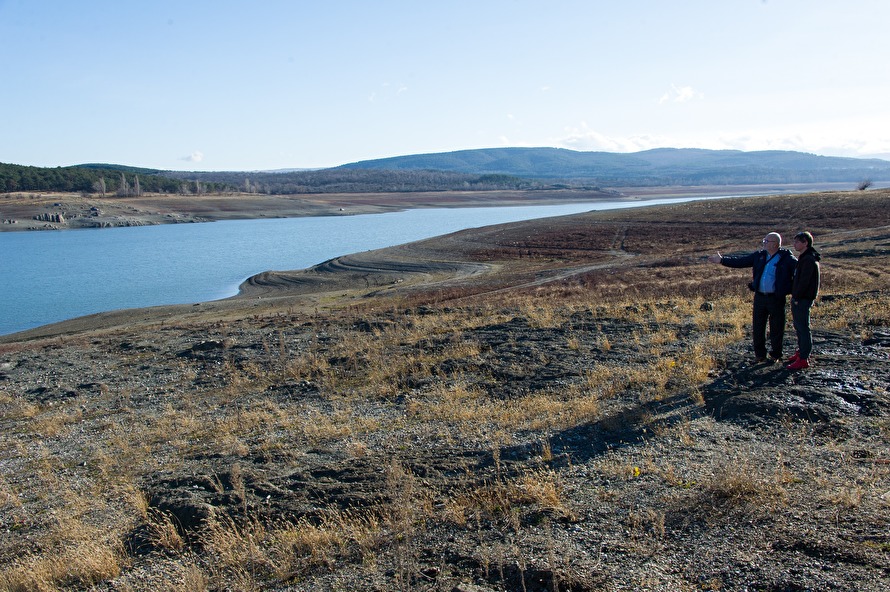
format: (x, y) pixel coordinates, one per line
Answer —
(773, 269)
(804, 290)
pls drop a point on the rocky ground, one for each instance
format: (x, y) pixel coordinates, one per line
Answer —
(560, 405)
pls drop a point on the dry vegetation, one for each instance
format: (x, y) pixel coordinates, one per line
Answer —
(581, 417)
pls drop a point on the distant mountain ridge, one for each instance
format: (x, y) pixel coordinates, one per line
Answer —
(660, 166)
(469, 170)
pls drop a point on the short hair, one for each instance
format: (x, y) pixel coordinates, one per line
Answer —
(804, 237)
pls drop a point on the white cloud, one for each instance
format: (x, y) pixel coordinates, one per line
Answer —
(828, 141)
(196, 156)
(680, 95)
(586, 139)
(387, 91)
(844, 137)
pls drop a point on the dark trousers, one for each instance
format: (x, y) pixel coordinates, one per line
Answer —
(768, 308)
(800, 318)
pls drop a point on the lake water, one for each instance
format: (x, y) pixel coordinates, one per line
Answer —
(50, 276)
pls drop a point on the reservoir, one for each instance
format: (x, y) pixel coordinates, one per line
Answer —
(50, 276)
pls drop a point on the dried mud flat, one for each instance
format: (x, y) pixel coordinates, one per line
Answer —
(552, 405)
(61, 211)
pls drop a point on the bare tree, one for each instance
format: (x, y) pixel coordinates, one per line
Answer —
(99, 186)
(124, 189)
(864, 184)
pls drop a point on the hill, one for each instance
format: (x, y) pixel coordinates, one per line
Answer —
(342, 180)
(99, 179)
(663, 166)
(470, 170)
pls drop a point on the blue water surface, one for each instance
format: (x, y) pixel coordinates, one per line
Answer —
(49, 276)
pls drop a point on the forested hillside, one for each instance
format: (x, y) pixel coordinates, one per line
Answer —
(120, 180)
(660, 167)
(339, 180)
(468, 170)
(98, 179)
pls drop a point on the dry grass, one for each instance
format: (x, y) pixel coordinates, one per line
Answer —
(79, 565)
(234, 417)
(249, 553)
(738, 480)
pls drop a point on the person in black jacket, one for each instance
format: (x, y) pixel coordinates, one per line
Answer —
(804, 290)
(773, 269)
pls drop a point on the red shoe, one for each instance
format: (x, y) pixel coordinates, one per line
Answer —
(800, 364)
(793, 358)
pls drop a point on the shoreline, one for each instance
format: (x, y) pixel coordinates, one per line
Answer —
(341, 279)
(25, 212)
(306, 285)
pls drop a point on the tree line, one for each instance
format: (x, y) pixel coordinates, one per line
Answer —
(96, 180)
(358, 181)
(481, 170)
(128, 181)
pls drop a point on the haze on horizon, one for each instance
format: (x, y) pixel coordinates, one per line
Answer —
(277, 84)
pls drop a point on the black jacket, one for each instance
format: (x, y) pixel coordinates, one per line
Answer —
(757, 261)
(806, 276)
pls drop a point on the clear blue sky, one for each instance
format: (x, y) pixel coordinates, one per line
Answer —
(270, 84)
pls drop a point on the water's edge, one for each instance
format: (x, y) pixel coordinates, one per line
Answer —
(54, 276)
